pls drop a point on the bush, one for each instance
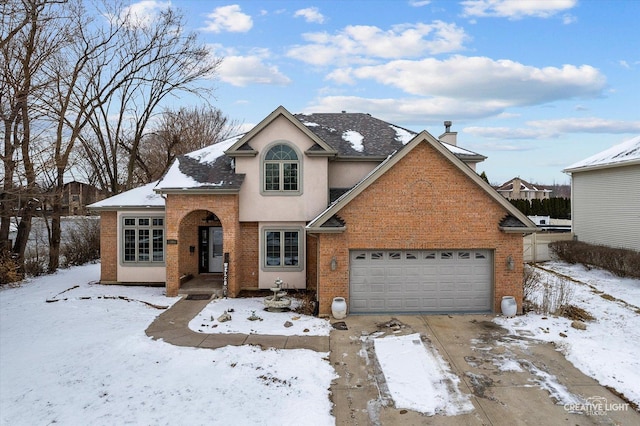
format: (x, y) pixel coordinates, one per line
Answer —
(307, 304)
(545, 293)
(621, 262)
(9, 272)
(82, 243)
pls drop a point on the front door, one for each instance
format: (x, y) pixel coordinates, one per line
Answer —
(210, 253)
(215, 249)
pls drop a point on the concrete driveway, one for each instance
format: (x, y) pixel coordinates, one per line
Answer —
(475, 348)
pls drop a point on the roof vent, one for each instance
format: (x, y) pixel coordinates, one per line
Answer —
(447, 126)
(344, 112)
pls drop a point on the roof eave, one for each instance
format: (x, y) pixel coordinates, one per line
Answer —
(518, 230)
(374, 158)
(310, 153)
(331, 230)
(602, 166)
(241, 153)
(197, 190)
(124, 207)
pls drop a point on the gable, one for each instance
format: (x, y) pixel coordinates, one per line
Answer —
(243, 147)
(425, 178)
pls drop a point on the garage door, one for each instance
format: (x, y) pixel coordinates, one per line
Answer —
(434, 281)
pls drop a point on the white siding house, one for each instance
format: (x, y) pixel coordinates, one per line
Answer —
(605, 197)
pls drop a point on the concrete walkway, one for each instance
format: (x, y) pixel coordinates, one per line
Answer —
(172, 326)
(473, 346)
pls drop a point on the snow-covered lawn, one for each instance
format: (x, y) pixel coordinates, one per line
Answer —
(609, 349)
(86, 359)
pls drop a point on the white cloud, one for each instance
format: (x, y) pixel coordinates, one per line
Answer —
(508, 133)
(143, 13)
(624, 64)
(516, 9)
(364, 43)
(407, 110)
(547, 129)
(479, 78)
(245, 70)
(310, 14)
(588, 125)
(228, 18)
(419, 3)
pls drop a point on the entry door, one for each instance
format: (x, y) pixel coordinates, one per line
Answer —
(215, 249)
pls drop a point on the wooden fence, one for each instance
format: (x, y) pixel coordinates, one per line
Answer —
(536, 246)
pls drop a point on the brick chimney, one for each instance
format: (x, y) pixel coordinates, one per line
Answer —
(448, 136)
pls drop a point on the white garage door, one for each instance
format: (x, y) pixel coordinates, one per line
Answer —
(433, 281)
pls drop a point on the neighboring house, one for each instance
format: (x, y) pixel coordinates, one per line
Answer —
(605, 197)
(341, 204)
(520, 189)
(77, 195)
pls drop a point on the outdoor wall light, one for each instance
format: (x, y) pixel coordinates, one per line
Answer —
(510, 263)
(192, 249)
(334, 263)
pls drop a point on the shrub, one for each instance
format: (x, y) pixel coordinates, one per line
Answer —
(9, 272)
(82, 243)
(34, 266)
(546, 293)
(307, 304)
(621, 262)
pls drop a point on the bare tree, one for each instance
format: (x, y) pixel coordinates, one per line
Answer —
(179, 132)
(27, 43)
(91, 78)
(152, 61)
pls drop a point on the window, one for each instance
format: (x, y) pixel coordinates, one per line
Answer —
(143, 240)
(464, 255)
(282, 249)
(281, 170)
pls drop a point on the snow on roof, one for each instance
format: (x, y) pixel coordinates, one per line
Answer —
(618, 154)
(402, 135)
(175, 177)
(354, 138)
(142, 196)
(209, 153)
(454, 149)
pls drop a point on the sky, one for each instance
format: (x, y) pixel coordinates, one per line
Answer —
(533, 85)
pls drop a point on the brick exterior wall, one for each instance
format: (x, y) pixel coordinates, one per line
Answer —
(184, 213)
(249, 256)
(423, 202)
(108, 247)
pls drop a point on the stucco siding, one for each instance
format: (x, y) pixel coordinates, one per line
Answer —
(346, 174)
(606, 206)
(256, 206)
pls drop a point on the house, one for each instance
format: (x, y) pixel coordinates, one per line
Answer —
(605, 197)
(77, 195)
(520, 189)
(342, 204)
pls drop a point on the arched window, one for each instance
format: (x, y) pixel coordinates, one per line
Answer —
(281, 169)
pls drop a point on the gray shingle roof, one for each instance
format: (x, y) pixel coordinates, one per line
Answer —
(379, 138)
(219, 173)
